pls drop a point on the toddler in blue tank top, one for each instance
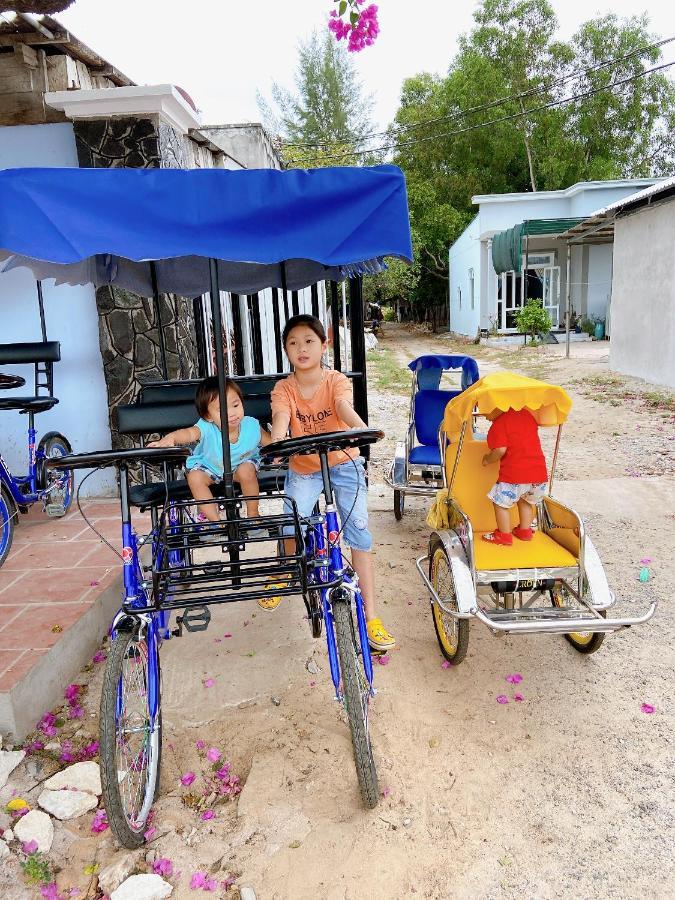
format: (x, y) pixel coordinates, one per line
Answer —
(205, 463)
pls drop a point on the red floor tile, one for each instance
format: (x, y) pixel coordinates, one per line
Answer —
(58, 585)
(34, 627)
(48, 531)
(9, 612)
(9, 579)
(7, 658)
(48, 555)
(24, 662)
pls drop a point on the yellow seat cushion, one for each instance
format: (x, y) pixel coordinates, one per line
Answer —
(472, 483)
(541, 552)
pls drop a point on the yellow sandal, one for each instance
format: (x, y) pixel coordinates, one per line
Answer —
(270, 603)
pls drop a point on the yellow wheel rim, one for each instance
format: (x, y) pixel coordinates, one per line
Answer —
(446, 626)
(579, 637)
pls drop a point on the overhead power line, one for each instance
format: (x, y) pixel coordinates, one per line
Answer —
(485, 106)
(510, 118)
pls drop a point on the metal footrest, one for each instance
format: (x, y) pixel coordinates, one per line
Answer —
(196, 619)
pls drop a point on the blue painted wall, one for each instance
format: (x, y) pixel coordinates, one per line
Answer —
(71, 318)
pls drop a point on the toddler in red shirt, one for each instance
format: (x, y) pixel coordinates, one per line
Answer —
(513, 439)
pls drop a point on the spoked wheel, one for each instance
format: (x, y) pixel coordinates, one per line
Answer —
(452, 634)
(59, 484)
(7, 522)
(356, 691)
(583, 641)
(399, 505)
(130, 747)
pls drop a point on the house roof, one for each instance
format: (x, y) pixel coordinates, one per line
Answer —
(579, 187)
(598, 228)
(48, 34)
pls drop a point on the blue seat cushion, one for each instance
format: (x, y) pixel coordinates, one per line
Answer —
(425, 455)
(428, 410)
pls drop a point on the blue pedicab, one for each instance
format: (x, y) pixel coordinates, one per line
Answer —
(416, 468)
(181, 231)
(36, 484)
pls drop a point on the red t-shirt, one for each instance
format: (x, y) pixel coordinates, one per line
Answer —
(523, 462)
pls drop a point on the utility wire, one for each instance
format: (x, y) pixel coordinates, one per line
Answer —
(485, 106)
(512, 117)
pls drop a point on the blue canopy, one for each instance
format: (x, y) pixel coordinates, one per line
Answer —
(430, 367)
(104, 225)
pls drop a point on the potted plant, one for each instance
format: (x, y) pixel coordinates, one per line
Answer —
(533, 319)
(575, 322)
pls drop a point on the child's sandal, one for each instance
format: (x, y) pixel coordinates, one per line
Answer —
(523, 534)
(498, 537)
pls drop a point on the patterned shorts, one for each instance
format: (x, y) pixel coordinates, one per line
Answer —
(507, 495)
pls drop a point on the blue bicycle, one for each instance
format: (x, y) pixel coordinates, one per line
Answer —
(54, 489)
(175, 577)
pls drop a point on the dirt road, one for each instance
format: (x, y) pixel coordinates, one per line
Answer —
(569, 794)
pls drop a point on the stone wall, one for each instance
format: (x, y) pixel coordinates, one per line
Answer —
(127, 322)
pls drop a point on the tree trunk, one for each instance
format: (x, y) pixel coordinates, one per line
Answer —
(528, 150)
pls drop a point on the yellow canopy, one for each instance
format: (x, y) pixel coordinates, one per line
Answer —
(548, 403)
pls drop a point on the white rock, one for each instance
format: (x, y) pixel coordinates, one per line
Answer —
(246, 893)
(8, 835)
(83, 776)
(67, 804)
(110, 878)
(9, 760)
(35, 826)
(4, 849)
(53, 745)
(143, 887)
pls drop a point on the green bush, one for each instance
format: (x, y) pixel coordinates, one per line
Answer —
(533, 319)
(588, 325)
(388, 313)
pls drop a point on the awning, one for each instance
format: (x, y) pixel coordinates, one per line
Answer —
(105, 226)
(507, 246)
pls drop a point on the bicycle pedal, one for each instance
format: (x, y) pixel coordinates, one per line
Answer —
(194, 619)
(55, 510)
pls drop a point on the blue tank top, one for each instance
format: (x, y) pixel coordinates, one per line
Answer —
(209, 451)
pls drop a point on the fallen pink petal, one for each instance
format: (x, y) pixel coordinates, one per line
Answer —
(312, 683)
(514, 678)
(648, 708)
(213, 754)
(385, 793)
(227, 634)
(200, 745)
(445, 664)
(163, 866)
(208, 814)
(502, 698)
(150, 833)
(93, 583)
(187, 779)
(209, 682)
(384, 660)
(518, 698)
(99, 657)
(645, 561)
(198, 880)
(29, 847)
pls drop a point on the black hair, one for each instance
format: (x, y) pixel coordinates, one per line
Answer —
(304, 319)
(207, 391)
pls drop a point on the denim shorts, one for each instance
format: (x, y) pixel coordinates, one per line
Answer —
(217, 479)
(349, 487)
(506, 495)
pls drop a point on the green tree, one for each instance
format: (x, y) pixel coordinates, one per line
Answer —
(327, 110)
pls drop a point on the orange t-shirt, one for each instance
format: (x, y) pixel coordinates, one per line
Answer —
(314, 415)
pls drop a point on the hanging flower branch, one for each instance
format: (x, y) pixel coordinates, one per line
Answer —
(359, 27)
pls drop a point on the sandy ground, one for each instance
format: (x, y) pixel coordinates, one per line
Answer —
(567, 794)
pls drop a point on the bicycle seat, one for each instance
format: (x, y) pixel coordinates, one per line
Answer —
(28, 404)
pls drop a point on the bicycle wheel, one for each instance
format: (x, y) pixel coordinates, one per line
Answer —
(356, 691)
(585, 642)
(130, 746)
(399, 505)
(58, 484)
(7, 521)
(452, 634)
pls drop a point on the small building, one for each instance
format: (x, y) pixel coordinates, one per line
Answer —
(639, 233)
(513, 250)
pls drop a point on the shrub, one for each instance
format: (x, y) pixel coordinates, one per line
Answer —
(389, 314)
(532, 319)
(588, 325)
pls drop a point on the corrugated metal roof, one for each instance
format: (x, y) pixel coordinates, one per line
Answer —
(599, 226)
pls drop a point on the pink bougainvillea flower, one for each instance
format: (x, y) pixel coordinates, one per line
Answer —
(211, 884)
(228, 882)
(208, 682)
(187, 779)
(93, 583)
(150, 833)
(33, 746)
(647, 708)
(385, 792)
(163, 866)
(445, 664)
(29, 847)
(72, 692)
(198, 880)
(645, 560)
(208, 814)
(515, 678)
(99, 657)
(502, 698)
(50, 891)
(312, 683)
(227, 634)
(90, 749)
(200, 745)
(213, 754)
(100, 822)
(384, 660)
(518, 698)
(75, 712)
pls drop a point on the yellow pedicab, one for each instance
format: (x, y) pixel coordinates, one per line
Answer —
(553, 584)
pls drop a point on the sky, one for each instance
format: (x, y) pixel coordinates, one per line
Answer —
(222, 52)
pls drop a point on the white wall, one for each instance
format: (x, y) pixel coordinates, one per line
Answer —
(71, 318)
(465, 254)
(643, 295)
(599, 280)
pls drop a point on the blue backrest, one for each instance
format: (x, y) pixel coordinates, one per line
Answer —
(428, 410)
(430, 368)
